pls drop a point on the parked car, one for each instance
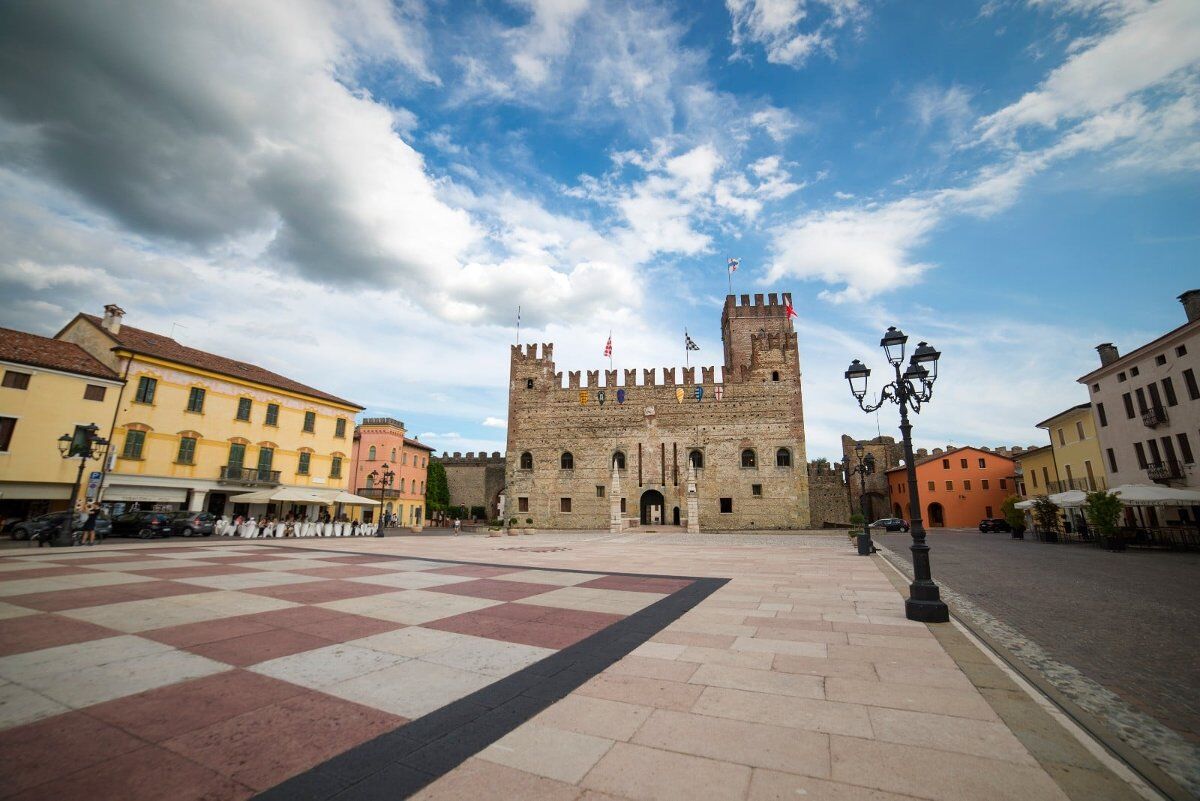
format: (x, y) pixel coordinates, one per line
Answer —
(993, 524)
(47, 523)
(192, 524)
(891, 524)
(143, 525)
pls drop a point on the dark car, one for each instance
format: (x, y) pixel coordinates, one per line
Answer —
(143, 525)
(48, 523)
(891, 524)
(192, 524)
(993, 524)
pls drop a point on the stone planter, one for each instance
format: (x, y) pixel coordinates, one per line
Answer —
(529, 531)
(493, 532)
(513, 532)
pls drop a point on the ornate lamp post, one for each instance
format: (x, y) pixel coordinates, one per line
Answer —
(385, 480)
(865, 466)
(84, 444)
(911, 389)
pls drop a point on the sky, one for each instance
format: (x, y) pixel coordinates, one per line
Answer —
(360, 193)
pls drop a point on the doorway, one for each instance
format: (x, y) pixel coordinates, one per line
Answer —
(937, 517)
(675, 516)
(652, 507)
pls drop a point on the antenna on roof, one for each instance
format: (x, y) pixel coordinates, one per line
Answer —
(173, 326)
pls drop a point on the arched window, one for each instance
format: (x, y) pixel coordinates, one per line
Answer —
(783, 458)
(567, 462)
(748, 458)
(619, 459)
(697, 459)
(370, 481)
(371, 457)
(393, 454)
(774, 375)
(401, 486)
(526, 461)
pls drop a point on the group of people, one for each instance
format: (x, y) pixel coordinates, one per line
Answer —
(249, 528)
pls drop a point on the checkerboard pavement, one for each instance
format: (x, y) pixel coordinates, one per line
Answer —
(220, 671)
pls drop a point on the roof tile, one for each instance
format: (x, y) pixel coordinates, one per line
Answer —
(38, 351)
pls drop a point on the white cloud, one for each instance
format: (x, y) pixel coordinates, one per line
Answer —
(494, 422)
(780, 26)
(547, 36)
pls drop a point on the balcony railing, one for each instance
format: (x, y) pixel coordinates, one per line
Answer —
(1164, 471)
(1154, 416)
(373, 492)
(1085, 484)
(249, 476)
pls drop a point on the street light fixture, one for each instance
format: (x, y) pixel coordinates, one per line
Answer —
(84, 444)
(385, 480)
(865, 466)
(911, 389)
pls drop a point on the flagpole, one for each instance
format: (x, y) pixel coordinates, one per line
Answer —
(729, 275)
(687, 353)
(610, 367)
(518, 325)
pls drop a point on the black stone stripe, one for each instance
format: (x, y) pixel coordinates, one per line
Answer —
(398, 764)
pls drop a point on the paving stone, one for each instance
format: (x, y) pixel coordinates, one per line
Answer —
(612, 720)
(476, 779)
(642, 691)
(554, 753)
(772, 785)
(811, 714)
(938, 700)
(649, 774)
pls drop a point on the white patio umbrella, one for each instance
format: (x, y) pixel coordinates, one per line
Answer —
(293, 494)
(1154, 495)
(354, 500)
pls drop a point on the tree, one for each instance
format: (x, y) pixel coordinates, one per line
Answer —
(819, 462)
(1045, 512)
(1012, 515)
(1103, 511)
(437, 491)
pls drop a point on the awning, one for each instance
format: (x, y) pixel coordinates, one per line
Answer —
(355, 500)
(24, 491)
(1154, 495)
(145, 494)
(285, 494)
(1064, 500)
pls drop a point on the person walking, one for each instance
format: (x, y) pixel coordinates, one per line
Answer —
(89, 524)
(457, 526)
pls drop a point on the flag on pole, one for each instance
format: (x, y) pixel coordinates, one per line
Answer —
(734, 264)
(608, 347)
(790, 312)
(688, 343)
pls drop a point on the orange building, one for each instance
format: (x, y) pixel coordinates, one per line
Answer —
(380, 446)
(958, 488)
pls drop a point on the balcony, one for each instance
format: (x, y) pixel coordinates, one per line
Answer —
(1085, 484)
(1164, 471)
(249, 476)
(1154, 416)
(374, 492)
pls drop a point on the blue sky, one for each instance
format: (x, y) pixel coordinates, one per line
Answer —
(360, 194)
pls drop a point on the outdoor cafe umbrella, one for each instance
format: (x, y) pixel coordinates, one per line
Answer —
(279, 494)
(354, 500)
(1064, 500)
(1154, 495)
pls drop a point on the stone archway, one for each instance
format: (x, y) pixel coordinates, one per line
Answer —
(675, 516)
(652, 507)
(877, 506)
(937, 517)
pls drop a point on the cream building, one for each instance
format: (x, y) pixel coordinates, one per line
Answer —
(193, 428)
(1076, 450)
(47, 388)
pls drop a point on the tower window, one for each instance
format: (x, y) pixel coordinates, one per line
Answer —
(749, 459)
(774, 375)
(528, 383)
(526, 461)
(619, 460)
(727, 506)
(783, 458)
(697, 459)
(567, 462)
(756, 490)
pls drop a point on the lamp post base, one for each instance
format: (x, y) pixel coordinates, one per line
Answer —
(934, 611)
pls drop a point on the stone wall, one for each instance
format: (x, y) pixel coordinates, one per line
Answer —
(656, 422)
(827, 495)
(474, 480)
(888, 454)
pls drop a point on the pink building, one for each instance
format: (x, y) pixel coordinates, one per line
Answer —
(379, 447)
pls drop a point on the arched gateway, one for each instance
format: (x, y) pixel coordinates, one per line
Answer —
(652, 507)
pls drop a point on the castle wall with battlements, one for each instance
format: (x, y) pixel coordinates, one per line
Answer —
(474, 479)
(656, 418)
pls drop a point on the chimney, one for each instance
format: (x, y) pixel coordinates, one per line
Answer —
(1191, 304)
(112, 318)
(1108, 353)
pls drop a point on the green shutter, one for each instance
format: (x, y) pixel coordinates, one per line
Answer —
(237, 456)
(133, 444)
(310, 421)
(196, 400)
(335, 467)
(187, 451)
(272, 414)
(305, 456)
(145, 390)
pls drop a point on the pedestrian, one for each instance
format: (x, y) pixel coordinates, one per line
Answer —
(89, 524)
(457, 526)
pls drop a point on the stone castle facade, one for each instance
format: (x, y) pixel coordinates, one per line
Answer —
(475, 480)
(742, 431)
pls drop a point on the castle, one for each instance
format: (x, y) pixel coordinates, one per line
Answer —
(741, 433)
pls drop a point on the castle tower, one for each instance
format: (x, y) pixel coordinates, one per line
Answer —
(742, 321)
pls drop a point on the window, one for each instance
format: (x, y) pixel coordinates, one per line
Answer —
(1133, 371)
(962, 463)
(1070, 477)
(335, 467)
(1189, 379)
(243, 411)
(748, 458)
(697, 459)
(237, 456)
(526, 461)
(265, 457)
(1079, 430)
(1128, 405)
(1033, 475)
(7, 426)
(1046, 477)
(988, 511)
(272, 418)
(522, 504)
(982, 464)
(1004, 483)
(1160, 359)
(1095, 387)
(402, 485)
(371, 454)
(187, 451)
(310, 423)
(567, 461)
(145, 390)
(1112, 461)
(622, 506)
(564, 505)
(932, 486)
(94, 392)
(1091, 476)
(1169, 391)
(339, 427)
(393, 454)
(196, 400)
(1141, 454)
(528, 383)
(984, 484)
(783, 458)
(1100, 413)
(774, 375)
(950, 486)
(1120, 377)
(15, 380)
(1181, 351)
(1185, 448)
(619, 460)
(1155, 398)
(134, 440)
(945, 464)
(966, 485)
(305, 461)
(370, 480)
(1141, 400)
(727, 506)
(599, 490)
(756, 490)
(1062, 438)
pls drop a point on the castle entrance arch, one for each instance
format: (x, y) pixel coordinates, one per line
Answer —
(936, 515)
(652, 507)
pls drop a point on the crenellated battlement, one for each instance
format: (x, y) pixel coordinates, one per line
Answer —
(529, 353)
(669, 377)
(772, 305)
(470, 458)
(825, 469)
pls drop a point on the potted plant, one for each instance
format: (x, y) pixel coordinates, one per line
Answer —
(529, 529)
(494, 528)
(1103, 510)
(1013, 516)
(1045, 513)
(512, 531)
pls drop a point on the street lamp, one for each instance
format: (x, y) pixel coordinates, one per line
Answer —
(865, 466)
(911, 389)
(385, 480)
(84, 444)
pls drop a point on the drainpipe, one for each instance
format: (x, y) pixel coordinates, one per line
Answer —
(112, 428)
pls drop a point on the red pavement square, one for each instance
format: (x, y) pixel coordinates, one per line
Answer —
(473, 623)
(19, 635)
(543, 634)
(248, 558)
(354, 559)
(167, 712)
(516, 611)
(58, 600)
(193, 572)
(476, 571)
(637, 584)
(42, 572)
(343, 572)
(350, 627)
(39, 752)
(579, 618)
(268, 745)
(295, 616)
(207, 631)
(250, 649)
(161, 589)
(495, 590)
(319, 592)
(148, 774)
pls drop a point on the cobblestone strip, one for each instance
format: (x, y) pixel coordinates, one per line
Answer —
(1178, 758)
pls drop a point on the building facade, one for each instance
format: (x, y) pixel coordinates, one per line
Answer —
(1036, 472)
(1075, 450)
(958, 487)
(193, 429)
(380, 445)
(1146, 409)
(475, 480)
(47, 388)
(743, 434)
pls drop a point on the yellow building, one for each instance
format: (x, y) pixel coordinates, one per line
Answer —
(1076, 449)
(47, 388)
(1037, 472)
(193, 428)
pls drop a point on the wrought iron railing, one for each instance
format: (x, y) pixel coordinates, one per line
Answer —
(1154, 416)
(1085, 484)
(1164, 471)
(236, 474)
(375, 492)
